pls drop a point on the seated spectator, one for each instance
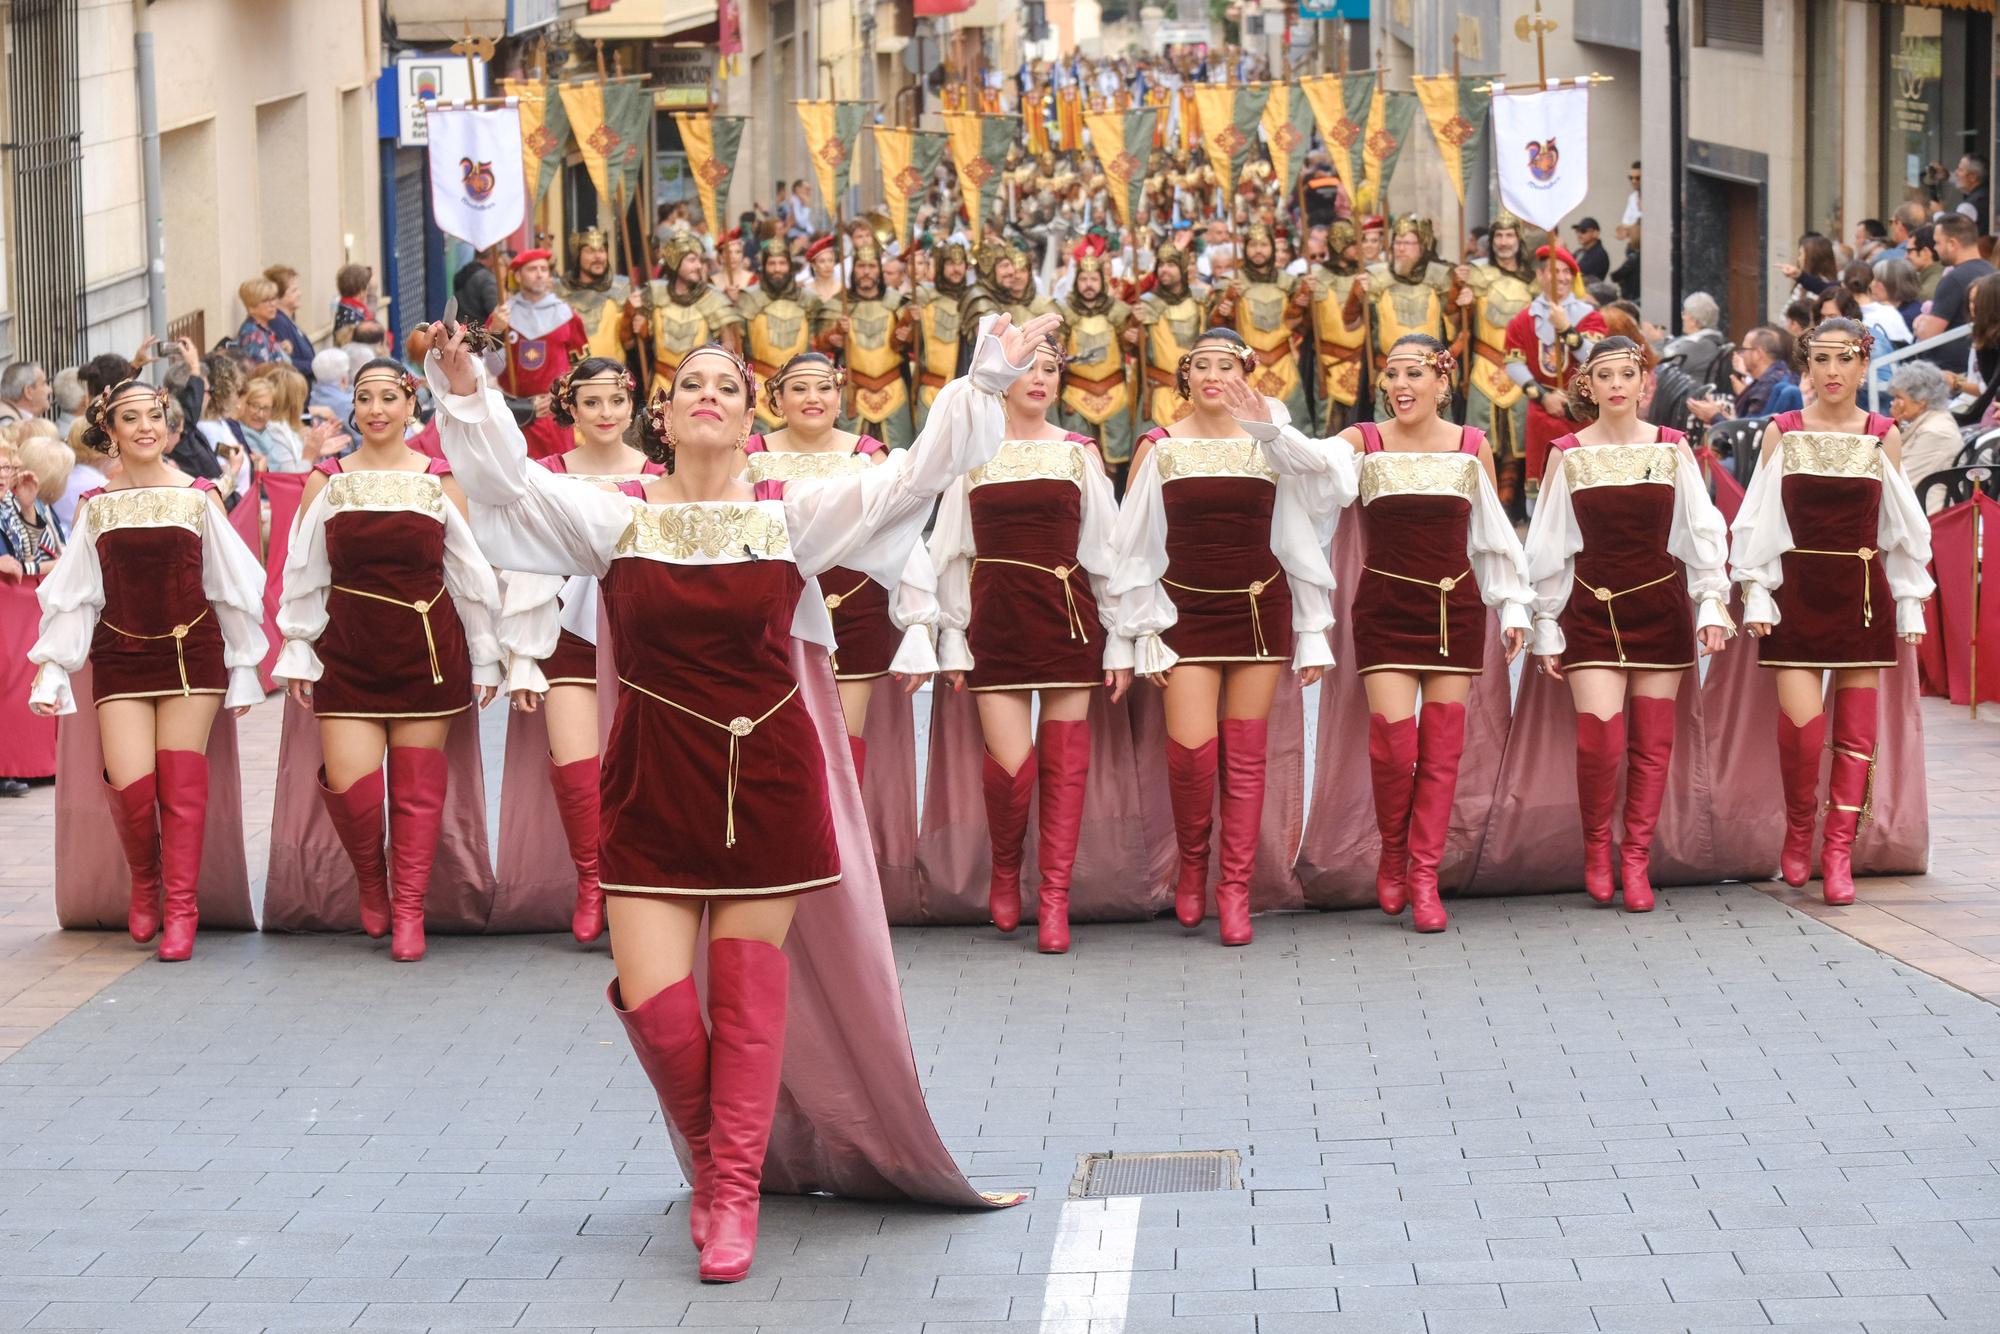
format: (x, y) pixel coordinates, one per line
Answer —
(30, 537)
(1982, 359)
(24, 391)
(1919, 400)
(1895, 284)
(67, 398)
(365, 342)
(53, 465)
(256, 338)
(88, 471)
(1871, 238)
(304, 438)
(1815, 268)
(1761, 379)
(333, 381)
(1700, 340)
(1800, 316)
(1602, 293)
(1883, 320)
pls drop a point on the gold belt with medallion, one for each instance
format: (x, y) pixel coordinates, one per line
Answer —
(738, 727)
(1255, 590)
(1609, 598)
(178, 634)
(1444, 587)
(423, 610)
(1862, 554)
(1062, 574)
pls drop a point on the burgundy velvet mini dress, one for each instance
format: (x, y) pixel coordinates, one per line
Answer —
(1417, 604)
(1034, 621)
(1628, 606)
(156, 634)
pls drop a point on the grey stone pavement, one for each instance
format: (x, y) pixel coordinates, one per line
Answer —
(1552, 1117)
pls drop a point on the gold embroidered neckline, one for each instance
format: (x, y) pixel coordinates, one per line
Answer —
(1832, 454)
(1057, 460)
(786, 466)
(708, 529)
(1191, 456)
(373, 489)
(148, 507)
(1417, 473)
(1620, 465)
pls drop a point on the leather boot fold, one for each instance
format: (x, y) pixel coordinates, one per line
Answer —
(417, 777)
(576, 802)
(183, 778)
(858, 748)
(1600, 745)
(671, 1042)
(1008, 797)
(1191, 787)
(748, 983)
(1392, 761)
(1850, 790)
(1440, 743)
(135, 810)
(1649, 755)
(1243, 746)
(1798, 764)
(1064, 754)
(358, 820)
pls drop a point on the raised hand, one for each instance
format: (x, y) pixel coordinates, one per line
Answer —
(449, 351)
(1018, 344)
(1244, 403)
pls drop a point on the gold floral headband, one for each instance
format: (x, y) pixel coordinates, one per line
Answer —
(1847, 346)
(817, 363)
(99, 410)
(565, 389)
(1438, 359)
(404, 380)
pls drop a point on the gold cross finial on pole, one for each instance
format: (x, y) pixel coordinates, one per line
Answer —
(1534, 30)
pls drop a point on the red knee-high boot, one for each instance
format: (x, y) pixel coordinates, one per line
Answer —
(671, 1043)
(1798, 765)
(1007, 799)
(1191, 788)
(747, 986)
(183, 776)
(1392, 761)
(417, 777)
(1649, 755)
(576, 802)
(357, 819)
(1440, 743)
(858, 748)
(1243, 745)
(135, 809)
(1851, 789)
(1064, 754)
(1600, 745)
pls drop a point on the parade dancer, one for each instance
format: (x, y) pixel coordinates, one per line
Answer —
(1546, 343)
(879, 631)
(157, 593)
(1828, 536)
(388, 620)
(1439, 551)
(548, 628)
(1023, 553)
(1222, 578)
(1623, 539)
(540, 336)
(716, 792)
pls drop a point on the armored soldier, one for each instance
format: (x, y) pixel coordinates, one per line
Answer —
(601, 299)
(991, 293)
(1174, 314)
(684, 311)
(1099, 330)
(1497, 290)
(874, 336)
(1410, 293)
(1266, 305)
(1340, 328)
(937, 322)
(779, 321)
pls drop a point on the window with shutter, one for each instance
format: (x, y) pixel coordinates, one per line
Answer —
(1731, 23)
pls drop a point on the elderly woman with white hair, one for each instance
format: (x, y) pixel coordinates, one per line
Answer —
(1918, 399)
(1700, 342)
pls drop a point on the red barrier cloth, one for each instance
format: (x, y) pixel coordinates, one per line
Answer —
(1946, 660)
(27, 743)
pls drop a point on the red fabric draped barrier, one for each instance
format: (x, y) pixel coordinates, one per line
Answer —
(1946, 661)
(281, 491)
(27, 743)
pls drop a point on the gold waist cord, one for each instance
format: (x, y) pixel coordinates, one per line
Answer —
(1610, 600)
(1255, 590)
(179, 635)
(1864, 555)
(1062, 574)
(423, 611)
(1444, 587)
(737, 728)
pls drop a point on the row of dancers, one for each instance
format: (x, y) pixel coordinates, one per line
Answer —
(714, 809)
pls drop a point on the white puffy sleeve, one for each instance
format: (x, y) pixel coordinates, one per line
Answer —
(1553, 541)
(1496, 557)
(868, 521)
(1098, 556)
(951, 556)
(302, 609)
(232, 580)
(913, 608)
(1139, 549)
(476, 594)
(1760, 538)
(1322, 471)
(1699, 539)
(71, 598)
(523, 518)
(1316, 480)
(530, 622)
(1904, 535)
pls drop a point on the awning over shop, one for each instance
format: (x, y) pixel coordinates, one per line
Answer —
(630, 19)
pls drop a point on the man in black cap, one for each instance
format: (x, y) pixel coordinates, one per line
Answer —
(1592, 260)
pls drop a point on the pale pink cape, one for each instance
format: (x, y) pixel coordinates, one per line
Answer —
(851, 1117)
(1342, 840)
(1125, 849)
(534, 879)
(93, 881)
(311, 886)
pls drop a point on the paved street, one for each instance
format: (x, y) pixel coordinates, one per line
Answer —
(1550, 1118)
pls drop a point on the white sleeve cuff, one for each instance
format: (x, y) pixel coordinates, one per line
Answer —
(52, 687)
(297, 662)
(1261, 432)
(1513, 616)
(245, 688)
(1758, 606)
(954, 653)
(524, 673)
(1713, 613)
(1310, 649)
(486, 674)
(1117, 654)
(1549, 641)
(1151, 656)
(915, 656)
(1910, 616)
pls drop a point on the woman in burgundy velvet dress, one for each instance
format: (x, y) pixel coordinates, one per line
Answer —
(1831, 549)
(388, 618)
(718, 814)
(1438, 551)
(158, 594)
(1023, 551)
(548, 625)
(1624, 548)
(1223, 579)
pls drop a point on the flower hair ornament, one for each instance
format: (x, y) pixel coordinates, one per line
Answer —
(803, 364)
(1842, 343)
(565, 389)
(401, 378)
(1579, 383)
(1438, 359)
(659, 416)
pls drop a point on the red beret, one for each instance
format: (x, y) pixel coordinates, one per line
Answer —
(1374, 222)
(823, 243)
(733, 234)
(527, 257)
(1562, 256)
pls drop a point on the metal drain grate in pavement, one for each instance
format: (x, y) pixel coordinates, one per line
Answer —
(1099, 1175)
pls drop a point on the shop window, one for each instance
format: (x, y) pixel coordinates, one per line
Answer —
(1736, 24)
(1935, 85)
